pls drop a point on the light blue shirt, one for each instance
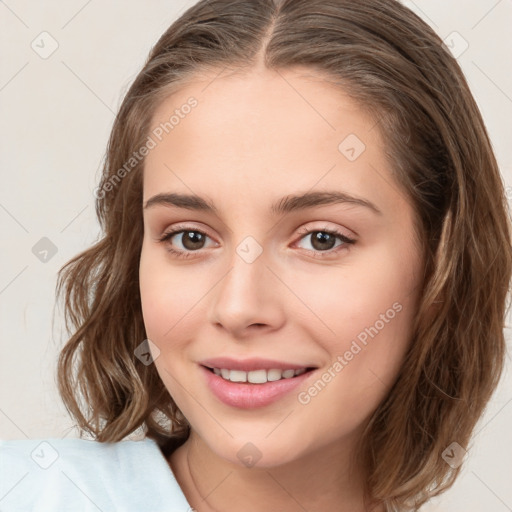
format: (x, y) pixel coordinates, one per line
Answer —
(54, 475)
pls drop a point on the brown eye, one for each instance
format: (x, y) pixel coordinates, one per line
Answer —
(185, 241)
(323, 241)
(192, 240)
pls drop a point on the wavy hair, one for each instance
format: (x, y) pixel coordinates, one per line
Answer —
(396, 67)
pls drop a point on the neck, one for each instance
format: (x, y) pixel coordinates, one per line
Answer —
(324, 480)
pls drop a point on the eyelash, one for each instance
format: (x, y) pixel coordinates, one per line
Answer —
(317, 254)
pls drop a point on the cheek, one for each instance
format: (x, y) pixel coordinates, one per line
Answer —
(168, 295)
(379, 289)
(363, 318)
(167, 299)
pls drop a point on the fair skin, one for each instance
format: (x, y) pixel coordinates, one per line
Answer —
(251, 141)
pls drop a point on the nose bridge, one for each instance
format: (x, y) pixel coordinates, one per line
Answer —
(246, 294)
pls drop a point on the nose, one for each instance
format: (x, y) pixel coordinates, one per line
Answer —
(248, 298)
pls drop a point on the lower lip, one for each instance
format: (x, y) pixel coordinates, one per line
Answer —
(250, 396)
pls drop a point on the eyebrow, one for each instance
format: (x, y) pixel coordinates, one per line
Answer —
(285, 205)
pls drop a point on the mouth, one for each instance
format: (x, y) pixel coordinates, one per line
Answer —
(256, 387)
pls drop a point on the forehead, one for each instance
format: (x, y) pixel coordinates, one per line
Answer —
(290, 105)
(261, 133)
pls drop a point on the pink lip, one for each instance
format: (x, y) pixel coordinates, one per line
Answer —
(248, 365)
(249, 396)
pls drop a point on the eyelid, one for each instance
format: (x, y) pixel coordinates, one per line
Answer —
(328, 227)
(304, 230)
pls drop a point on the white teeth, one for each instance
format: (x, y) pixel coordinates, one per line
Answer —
(257, 376)
(237, 376)
(274, 375)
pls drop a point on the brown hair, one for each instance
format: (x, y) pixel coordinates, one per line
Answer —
(394, 65)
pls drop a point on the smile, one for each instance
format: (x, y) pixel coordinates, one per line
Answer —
(251, 389)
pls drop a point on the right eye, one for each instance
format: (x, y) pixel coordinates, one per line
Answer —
(192, 240)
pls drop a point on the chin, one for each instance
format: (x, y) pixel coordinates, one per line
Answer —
(256, 451)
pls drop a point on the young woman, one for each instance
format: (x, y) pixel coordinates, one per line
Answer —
(300, 294)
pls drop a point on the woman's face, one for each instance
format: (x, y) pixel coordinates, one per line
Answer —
(254, 167)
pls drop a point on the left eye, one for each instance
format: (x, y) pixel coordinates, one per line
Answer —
(324, 240)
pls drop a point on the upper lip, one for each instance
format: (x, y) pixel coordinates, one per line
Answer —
(251, 364)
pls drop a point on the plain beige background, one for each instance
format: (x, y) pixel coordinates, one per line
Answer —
(56, 113)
